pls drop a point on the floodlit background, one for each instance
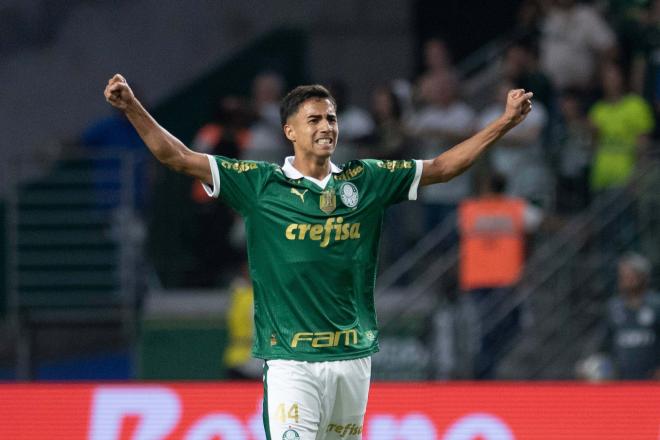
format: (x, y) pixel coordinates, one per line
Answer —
(113, 268)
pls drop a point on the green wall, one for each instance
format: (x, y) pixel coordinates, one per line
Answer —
(182, 349)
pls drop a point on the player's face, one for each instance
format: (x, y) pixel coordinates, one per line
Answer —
(313, 129)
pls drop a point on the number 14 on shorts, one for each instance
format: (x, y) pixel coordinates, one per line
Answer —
(286, 415)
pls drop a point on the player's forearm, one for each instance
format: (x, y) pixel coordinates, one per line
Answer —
(163, 145)
(460, 157)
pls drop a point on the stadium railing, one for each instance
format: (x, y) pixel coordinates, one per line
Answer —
(567, 280)
(572, 274)
(72, 254)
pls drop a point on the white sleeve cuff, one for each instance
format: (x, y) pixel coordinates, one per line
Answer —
(412, 192)
(213, 191)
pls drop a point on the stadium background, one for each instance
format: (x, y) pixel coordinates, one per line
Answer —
(108, 270)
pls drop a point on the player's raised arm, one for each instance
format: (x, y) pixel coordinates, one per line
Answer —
(454, 161)
(164, 146)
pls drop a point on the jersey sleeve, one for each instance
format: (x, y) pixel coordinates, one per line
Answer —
(395, 180)
(237, 182)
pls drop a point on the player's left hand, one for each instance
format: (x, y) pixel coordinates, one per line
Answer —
(518, 105)
(118, 93)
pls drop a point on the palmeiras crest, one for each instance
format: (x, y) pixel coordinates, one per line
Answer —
(349, 194)
(328, 202)
(290, 434)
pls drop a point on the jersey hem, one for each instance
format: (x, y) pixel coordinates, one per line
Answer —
(317, 358)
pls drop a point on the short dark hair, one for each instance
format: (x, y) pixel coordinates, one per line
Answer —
(292, 101)
(493, 182)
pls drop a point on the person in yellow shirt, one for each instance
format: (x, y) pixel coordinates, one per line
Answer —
(238, 360)
(622, 123)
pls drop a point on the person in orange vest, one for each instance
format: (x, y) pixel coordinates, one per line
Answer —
(211, 226)
(493, 229)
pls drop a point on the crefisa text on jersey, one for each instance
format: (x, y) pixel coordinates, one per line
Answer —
(323, 232)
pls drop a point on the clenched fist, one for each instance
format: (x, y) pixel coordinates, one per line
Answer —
(518, 104)
(118, 93)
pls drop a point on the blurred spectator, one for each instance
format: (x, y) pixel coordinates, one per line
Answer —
(517, 63)
(645, 74)
(622, 123)
(210, 243)
(266, 141)
(267, 90)
(518, 156)
(520, 67)
(629, 11)
(238, 360)
(633, 322)
(493, 228)
(228, 133)
(528, 19)
(443, 121)
(355, 123)
(437, 59)
(572, 145)
(389, 139)
(574, 38)
(628, 18)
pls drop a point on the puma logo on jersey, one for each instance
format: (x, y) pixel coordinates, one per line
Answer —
(299, 194)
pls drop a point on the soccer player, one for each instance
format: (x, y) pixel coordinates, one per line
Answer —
(312, 238)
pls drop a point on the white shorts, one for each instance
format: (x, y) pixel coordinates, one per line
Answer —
(315, 400)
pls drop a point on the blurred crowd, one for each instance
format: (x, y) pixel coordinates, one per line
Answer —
(595, 73)
(594, 68)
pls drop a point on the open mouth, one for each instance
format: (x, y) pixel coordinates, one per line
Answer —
(324, 141)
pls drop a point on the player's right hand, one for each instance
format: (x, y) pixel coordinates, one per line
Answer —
(118, 93)
(518, 105)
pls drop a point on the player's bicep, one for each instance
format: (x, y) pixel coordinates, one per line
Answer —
(433, 171)
(236, 182)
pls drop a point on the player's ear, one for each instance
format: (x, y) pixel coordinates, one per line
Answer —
(289, 132)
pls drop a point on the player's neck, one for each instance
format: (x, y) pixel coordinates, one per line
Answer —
(315, 167)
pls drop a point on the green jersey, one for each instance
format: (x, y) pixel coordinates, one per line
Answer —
(313, 250)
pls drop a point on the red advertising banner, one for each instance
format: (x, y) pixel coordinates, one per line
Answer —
(397, 411)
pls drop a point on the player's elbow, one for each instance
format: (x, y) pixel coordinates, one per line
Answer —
(437, 171)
